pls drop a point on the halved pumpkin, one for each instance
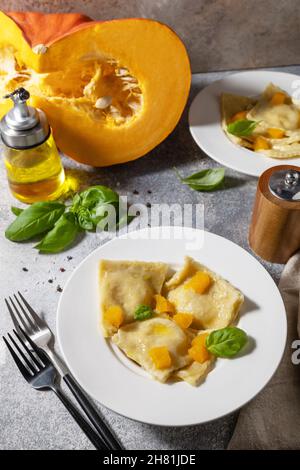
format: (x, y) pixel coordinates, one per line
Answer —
(112, 90)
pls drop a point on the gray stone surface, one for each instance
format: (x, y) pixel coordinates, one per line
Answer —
(32, 420)
(219, 34)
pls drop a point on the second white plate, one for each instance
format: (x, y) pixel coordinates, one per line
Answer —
(205, 119)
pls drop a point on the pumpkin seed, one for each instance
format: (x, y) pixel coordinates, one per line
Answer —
(103, 102)
(134, 105)
(129, 86)
(122, 72)
(129, 78)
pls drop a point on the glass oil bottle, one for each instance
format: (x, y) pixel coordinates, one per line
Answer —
(32, 162)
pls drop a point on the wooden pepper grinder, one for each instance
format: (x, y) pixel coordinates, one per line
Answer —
(275, 226)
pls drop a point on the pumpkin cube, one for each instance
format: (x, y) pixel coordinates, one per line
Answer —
(198, 351)
(275, 133)
(184, 320)
(161, 357)
(261, 143)
(114, 316)
(238, 116)
(163, 305)
(199, 283)
(278, 98)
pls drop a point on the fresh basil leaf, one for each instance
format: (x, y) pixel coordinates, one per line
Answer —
(96, 195)
(242, 127)
(204, 180)
(61, 236)
(226, 342)
(16, 210)
(84, 219)
(92, 206)
(76, 202)
(34, 220)
(143, 312)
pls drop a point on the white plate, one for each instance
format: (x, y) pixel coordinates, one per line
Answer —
(119, 384)
(205, 119)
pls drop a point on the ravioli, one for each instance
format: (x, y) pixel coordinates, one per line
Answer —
(139, 338)
(215, 308)
(282, 116)
(284, 151)
(155, 339)
(230, 106)
(196, 372)
(127, 284)
(272, 115)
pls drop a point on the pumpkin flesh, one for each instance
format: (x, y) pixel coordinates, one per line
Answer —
(111, 90)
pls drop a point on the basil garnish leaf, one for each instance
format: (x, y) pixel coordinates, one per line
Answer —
(204, 180)
(143, 312)
(34, 220)
(16, 210)
(226, 342)
(242, 127)
(61, 236)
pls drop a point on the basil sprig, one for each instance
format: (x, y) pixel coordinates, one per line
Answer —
(226, 342)
(204, 180)
(92, 206)
(242, 127)
(61, 224)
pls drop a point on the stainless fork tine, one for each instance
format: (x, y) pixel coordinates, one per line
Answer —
(12, 315)
(24, 315)
(24, 371)
(15, 315)
(39, 362)
(26, 361)
(40, 354)
(35, 318)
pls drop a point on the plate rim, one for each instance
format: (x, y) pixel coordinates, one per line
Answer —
(258, 172)
(173, 425)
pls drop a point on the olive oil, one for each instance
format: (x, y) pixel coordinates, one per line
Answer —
(35, 174)
(32, 162)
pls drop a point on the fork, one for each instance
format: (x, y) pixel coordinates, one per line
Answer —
(40, 373)
(26, 319)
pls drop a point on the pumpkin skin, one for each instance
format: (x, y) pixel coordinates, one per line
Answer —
(73, 66)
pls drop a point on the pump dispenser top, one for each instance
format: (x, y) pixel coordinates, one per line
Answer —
(23, 126)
